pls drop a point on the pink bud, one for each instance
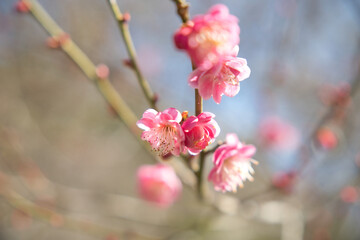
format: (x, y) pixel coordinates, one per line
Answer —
(102, 71)
(158, 184)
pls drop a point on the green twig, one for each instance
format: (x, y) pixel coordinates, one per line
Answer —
(125, 33)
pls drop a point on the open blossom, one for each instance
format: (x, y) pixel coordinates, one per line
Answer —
(232, 164)
(200, 131)
(163, 131)
(158, 184)
(223, 78)
(210, 36)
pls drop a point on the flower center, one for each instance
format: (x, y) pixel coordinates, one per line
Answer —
(162, 139)
(228, 76)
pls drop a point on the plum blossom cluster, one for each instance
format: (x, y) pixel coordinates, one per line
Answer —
(167, 131)
(211, 40)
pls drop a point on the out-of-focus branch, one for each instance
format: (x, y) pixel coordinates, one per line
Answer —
(50, 216)
(122, 20)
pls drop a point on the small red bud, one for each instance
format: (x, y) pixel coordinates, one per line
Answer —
(22, 6)
(184, 115)
(63, 38)
(128, 63)
(126, 17)
(52, 42)
(326, 138)
(156, 97)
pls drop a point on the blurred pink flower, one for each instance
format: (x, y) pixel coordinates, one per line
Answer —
(232, 164)
(349, 194)
(278, 134)
(284, 181)
(158, 184)
(210, 36)
(163, 131)
(200, 131)
(223, 78)
(326, 138)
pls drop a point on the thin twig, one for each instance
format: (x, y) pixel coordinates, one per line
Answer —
(182, 10)
(125, 33)
(87, 66)
(104, 85)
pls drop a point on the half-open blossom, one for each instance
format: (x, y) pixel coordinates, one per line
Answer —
(200, 131)
(278, 134)
(232, 164)
(163, 131)
(222, 78)
(158, 184)
(210, 36)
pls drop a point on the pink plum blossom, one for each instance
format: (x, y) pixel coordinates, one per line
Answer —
(232, 164)
(223, 78)
(278, 134)
(163, 131)
(158, 184)
(200, 131)
(210, 36)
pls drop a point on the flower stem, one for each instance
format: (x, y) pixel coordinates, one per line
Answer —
(182, 10)
(198, 103)
(125, 33)
(199, 175)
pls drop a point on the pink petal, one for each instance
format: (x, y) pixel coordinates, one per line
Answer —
(150, 113)
(145, 123)
(231, 90)
(218, 91)
(219, 9)
(206, 86)
(190, 123)
(247, 151)
(193, 79)
(232, 139)
(175, 114)
(205, 116)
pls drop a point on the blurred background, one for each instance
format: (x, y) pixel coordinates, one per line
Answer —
(71, 164)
